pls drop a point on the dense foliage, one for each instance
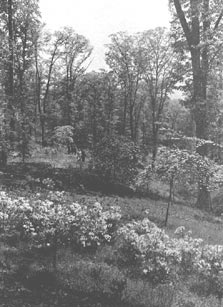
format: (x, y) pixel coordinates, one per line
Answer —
(117, 158)
(53, 220)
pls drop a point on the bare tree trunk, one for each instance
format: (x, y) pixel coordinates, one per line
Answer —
(154, 130)
(10, 67)
(170, 200)
(155, 144)
(10, 81)
(124, 115)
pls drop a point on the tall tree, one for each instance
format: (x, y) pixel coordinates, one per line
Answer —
(48, 51)
(200, 21)
(124, 58)
(19, 20)
(60, 59)
(162, 69)
(76, 51)
(98, 91)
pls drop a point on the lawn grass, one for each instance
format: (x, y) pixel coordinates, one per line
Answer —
(57, 158)
(203, 225)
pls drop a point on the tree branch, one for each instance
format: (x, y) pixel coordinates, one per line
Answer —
(183, 21)
(218, 20)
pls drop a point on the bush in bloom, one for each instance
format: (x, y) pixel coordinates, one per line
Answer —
(188, 248)
(159, 256)
(54, 220)
(48, 183)
(149, 246)
(210, 269)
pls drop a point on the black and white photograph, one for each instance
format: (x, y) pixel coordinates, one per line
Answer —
(111, 153)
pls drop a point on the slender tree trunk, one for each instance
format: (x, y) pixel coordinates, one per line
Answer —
(155, 144)
(9, 86)
(170, 200)
(10, 81)
(131, 122)
(43, 106)
(124, 116)
(55, 250)
(42, 124)
(154, 131)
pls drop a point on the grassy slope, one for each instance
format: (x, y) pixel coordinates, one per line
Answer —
(202, 224)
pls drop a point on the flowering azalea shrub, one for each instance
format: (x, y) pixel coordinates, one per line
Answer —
(48, 183)
(159, 257)
(205, 260)
(210, 271)
(54, 220)
(188, 248)
(146, 244)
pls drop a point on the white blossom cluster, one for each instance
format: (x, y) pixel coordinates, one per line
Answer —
(40, 221)
(161, 257)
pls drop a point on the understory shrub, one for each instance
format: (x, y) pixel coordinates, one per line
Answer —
(54, 222)
(159, 257)
(117, 158)
(146, 245)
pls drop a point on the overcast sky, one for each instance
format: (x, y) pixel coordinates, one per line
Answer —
(96, 19)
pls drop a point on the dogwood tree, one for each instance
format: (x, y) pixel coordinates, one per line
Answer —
(175, 166)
